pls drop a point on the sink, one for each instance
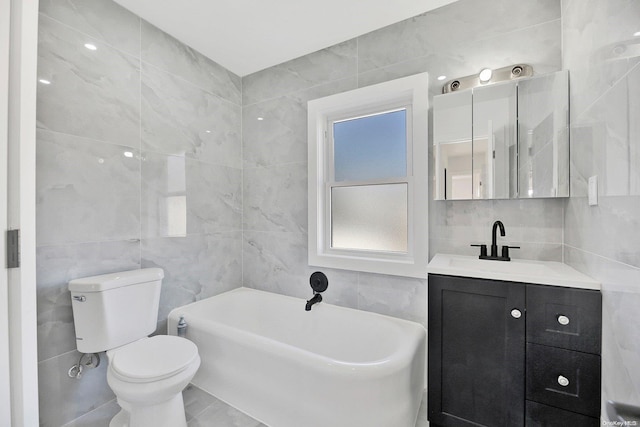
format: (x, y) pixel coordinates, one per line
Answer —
(527, 271)
(512, 267)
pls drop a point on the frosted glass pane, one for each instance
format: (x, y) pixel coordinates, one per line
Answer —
(372, 147)
(369, 217)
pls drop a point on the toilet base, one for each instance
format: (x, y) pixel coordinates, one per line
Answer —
(165, 414)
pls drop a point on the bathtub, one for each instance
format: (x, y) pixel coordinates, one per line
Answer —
(263, 354)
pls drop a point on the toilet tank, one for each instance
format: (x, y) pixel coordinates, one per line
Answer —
(115, 309)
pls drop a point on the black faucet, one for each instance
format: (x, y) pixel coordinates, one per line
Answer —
(316, 299)
(319, 283)
(494, 246)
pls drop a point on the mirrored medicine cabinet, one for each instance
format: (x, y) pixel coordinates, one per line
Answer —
(503, 141)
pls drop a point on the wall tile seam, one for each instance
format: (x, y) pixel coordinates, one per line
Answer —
(98, 39)
(610, 87)
(141, 60)
(273, 166)
(525, 28)
(607, 259)
(139, 240)
(189, 157)
(188, 235)
(471, 42)
(291, 67)
(55, 245)
(242, 192)
(300, 233)
(391, 65)
(63, 354)
(305, 89)
(209, 235)
(189, 82)
(84, 242)
(71, 423)
(140, 157)
(89, 140)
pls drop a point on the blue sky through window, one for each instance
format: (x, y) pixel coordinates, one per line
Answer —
(372, 147)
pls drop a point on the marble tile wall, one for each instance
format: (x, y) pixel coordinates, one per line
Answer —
(138, 165)
(602, 55)
(456, 40)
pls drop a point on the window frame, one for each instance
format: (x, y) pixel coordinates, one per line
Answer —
(410, 93)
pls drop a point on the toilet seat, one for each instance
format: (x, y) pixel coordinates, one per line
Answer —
(153, 359)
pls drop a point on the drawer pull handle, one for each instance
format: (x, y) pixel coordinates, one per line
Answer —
(516, 314)
(563, 320)
(79, 298)
(563, 381)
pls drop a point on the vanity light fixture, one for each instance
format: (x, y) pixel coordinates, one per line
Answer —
(90, 46)
(44, 81)
(488, 76)
(485, 75)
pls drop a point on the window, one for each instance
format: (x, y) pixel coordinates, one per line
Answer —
(368, 178)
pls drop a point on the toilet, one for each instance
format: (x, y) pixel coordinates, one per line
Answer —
(116, 313)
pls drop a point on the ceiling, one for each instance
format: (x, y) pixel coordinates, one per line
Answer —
(246, 36)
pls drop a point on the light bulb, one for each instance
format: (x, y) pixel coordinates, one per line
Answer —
(485, 75)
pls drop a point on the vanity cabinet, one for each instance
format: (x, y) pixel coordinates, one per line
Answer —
(512, 354)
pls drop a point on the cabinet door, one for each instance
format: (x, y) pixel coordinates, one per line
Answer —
(476, 352)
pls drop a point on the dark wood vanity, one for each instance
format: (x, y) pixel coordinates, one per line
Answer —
(507, 353)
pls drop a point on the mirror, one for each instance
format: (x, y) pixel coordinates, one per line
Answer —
(503, 141)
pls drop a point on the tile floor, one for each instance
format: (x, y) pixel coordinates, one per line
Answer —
(202, 410)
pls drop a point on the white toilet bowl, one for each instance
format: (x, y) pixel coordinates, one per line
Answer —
(148, 376)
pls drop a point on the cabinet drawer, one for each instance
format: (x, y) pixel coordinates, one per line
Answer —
(566, 318)
(539, 415)
(563, 378)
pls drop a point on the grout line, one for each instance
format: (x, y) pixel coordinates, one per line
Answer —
(140, 244)
(515, 30)
(58, 355)
(97, 38)
(242, 192)
(275, 165)
(611, 86)
(91, 411)
(287, 94)
(189, 82)
(604, 257)
(90, 140)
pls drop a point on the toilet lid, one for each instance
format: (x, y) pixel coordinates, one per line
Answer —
(154, 358)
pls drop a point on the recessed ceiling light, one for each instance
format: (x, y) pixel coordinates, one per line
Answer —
(44, 81)
(485, 75)
(260, 118)
(442, 77)
(207, 131)
(90, 46)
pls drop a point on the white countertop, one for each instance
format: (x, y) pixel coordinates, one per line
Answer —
(516, 270)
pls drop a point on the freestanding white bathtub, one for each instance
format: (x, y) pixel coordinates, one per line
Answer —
(329, 367)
